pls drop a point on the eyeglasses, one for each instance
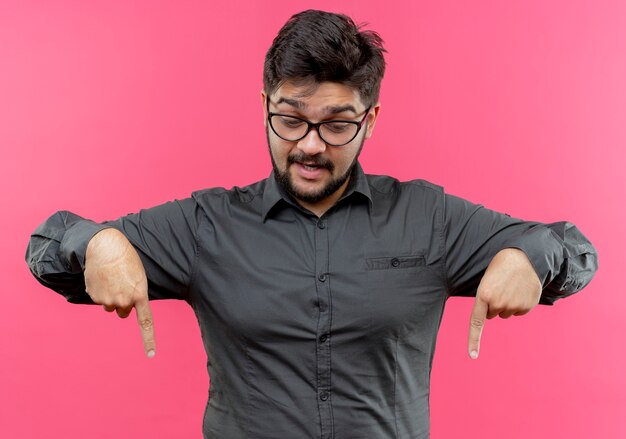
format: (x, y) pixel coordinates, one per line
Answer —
(332, 132)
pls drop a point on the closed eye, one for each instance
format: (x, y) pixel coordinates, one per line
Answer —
(337, 127)
(291, 122)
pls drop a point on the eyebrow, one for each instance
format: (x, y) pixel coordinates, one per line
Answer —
(332, 109)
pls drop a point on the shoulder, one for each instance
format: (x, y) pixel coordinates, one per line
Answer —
(218, 196)
(418, 199)
(241, 193)
(386, 185)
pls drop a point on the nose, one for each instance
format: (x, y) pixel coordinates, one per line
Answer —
(312, 144)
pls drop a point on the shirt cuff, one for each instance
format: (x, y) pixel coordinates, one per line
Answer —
(74, 245)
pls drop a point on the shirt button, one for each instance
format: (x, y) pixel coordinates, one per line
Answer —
(322, 277)
(321, 225)
(323, 338)
(324, 396)
(395, 262)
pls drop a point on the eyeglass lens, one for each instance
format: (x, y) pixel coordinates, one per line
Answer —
(292, 129)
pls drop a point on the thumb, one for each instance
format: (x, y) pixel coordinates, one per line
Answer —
(477, 322)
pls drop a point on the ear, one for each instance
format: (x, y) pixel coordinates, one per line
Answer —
(371, 120)
(263, 97)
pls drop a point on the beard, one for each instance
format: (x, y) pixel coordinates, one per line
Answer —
(283, 177)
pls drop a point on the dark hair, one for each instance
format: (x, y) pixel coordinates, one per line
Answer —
(317, 46)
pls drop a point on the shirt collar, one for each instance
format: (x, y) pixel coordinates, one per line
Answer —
(274, 194)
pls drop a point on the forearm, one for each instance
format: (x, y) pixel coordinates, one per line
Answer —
(163, 236)
(562, 257)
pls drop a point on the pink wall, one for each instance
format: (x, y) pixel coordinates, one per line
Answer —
(106, 107)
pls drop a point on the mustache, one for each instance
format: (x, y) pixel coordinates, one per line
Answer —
(310, 160)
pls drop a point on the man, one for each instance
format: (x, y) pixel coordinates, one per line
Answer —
(319, 291)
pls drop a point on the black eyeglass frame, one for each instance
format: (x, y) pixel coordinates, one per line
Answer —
(311, 125)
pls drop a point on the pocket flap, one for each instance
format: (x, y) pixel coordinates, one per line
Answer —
(395, 262)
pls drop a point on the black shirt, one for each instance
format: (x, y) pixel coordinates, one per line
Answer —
(318, 327)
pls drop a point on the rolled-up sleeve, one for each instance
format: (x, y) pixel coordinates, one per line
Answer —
(563, 258)
(56, 254)
(164, 237)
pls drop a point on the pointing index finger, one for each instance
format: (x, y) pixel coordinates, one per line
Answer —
(146, 324)
(477, 322)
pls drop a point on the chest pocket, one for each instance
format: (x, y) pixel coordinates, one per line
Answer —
(396, 275)
(404, 293)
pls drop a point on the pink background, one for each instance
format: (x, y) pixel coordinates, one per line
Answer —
(110, 106)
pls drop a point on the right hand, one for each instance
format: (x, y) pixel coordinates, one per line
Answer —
(116, 279)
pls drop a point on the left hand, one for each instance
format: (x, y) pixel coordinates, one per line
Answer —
(509, 287)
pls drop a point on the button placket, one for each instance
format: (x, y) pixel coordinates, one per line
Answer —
(323, 347)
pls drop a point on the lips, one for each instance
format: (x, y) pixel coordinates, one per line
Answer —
(309, 171)
(310, 166)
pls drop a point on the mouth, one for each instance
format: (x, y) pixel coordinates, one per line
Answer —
(310, 166)
(309, 171)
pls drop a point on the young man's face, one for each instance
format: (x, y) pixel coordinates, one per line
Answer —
(310, 169)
